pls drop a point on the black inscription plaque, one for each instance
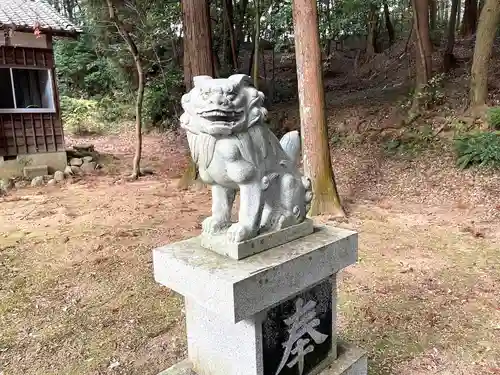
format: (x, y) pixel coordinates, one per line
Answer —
(297, 334)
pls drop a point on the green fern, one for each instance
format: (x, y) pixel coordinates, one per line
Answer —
(478, 148)
(494, 117)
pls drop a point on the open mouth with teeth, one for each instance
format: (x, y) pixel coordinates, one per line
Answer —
(218, 115)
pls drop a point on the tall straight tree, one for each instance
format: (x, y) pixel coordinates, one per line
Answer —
(198, 56)
(449, 58)
(197, 39)
(316, 152)
(424, 49)
(469, 20)
(486, 31)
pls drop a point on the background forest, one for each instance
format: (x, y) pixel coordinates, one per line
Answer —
(421, 48)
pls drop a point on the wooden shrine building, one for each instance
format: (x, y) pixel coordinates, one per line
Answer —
(31, 131)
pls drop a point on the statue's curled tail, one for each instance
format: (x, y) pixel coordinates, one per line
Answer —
(290, 143)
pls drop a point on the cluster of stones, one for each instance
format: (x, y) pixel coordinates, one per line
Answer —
(81, 161)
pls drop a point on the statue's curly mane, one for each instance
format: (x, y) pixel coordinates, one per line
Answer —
(255, 141)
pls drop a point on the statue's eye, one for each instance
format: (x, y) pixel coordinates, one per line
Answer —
(205, 94)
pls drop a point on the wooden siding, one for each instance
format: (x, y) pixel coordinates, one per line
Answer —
(30, 133)
(29, 57)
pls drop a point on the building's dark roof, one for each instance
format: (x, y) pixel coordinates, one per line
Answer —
(26, 14)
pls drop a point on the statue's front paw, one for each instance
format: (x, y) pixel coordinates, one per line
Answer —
(238, 232)
(213, 225)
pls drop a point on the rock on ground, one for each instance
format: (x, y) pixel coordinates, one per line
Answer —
(68, 171)
(87, 159)
(86, 147)
(147, 171)
(76, 170)
(89, 167)
(77, 162)
(37, 181)
(6, 184)
(59, 176)
(52, 182)
(21, 184)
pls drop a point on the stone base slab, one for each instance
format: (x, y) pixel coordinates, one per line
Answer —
(239, 289)
(240, 250)
(55, 161)
(350, 361)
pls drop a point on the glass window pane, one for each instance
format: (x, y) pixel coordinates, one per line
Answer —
(6, 97)
(33, 88)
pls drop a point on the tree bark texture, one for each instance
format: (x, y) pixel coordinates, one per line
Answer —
(469, 21)
(241, 10)
(432, 13)
(231, 54)
(448, 58)
(136, 170)
(423, 50)
(388, 23)
(488, 24)
(198, 56)
(316, 151)
(197, 40)
(256, 45)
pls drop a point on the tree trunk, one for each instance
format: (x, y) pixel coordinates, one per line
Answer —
(424, 50)
(448, 58)
(388, 23)
(487, 28)
(459, 13)
(136, 170)
(316, 152)
(198, 45)
(372, 28)
(256, 45)
(446, 12)
(432, 13)
(241, 8)
(232, 57)
(469, 22)
(252, 58)
(197, 39)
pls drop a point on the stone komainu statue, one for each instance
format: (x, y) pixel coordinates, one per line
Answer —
(235, 150)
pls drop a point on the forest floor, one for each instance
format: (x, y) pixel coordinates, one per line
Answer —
(78, 295)
(77, 290)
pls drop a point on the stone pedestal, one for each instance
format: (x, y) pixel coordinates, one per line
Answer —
(273, 313)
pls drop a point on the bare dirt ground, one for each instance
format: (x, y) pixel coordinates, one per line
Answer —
(78, 297)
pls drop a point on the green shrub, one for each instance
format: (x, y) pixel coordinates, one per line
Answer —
(80, 117)
(478, 148)
(494, 117)
(87, 117)
(162, 99)
(111, 111)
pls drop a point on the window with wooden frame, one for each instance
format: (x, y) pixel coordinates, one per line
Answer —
(26, 90)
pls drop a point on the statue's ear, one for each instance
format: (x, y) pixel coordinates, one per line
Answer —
(198, 79)
(241, 79)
